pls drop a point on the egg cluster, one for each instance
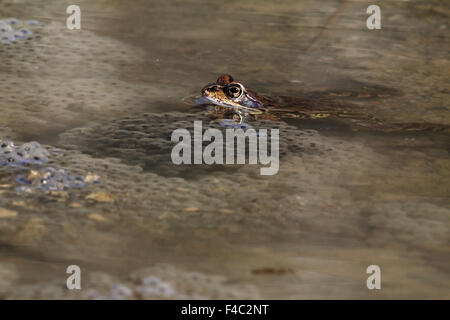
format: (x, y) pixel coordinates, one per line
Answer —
(13, 29)
(45, 178)
(145, 140)
(158, 281)
(16, 156)
(49, 179)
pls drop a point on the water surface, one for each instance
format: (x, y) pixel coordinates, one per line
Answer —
(109, 96)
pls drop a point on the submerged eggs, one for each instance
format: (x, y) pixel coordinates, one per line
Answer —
(44, 178)
(13, 29)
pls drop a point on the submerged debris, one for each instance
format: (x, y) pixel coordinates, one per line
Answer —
(272, 271)
(28, 153)
(51, 179)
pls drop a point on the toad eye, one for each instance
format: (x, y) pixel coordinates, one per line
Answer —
(234, 91)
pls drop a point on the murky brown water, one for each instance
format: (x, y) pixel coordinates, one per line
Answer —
(109, 96)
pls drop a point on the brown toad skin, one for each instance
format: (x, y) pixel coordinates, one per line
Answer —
(280, 107)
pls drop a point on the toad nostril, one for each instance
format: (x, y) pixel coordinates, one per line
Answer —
(210, 89)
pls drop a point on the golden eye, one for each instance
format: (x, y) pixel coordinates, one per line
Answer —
(234, 91)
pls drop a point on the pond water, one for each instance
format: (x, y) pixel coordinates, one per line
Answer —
(104, 100)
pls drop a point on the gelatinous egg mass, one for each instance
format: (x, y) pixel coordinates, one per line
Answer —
(13, 29)
(50, 179)
(28, 153)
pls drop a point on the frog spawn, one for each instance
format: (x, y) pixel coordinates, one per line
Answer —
(159, 281)
(28, 153)
(145, 140)
(46, 178)
(12, 30)
(149, 287)
(51, 179)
